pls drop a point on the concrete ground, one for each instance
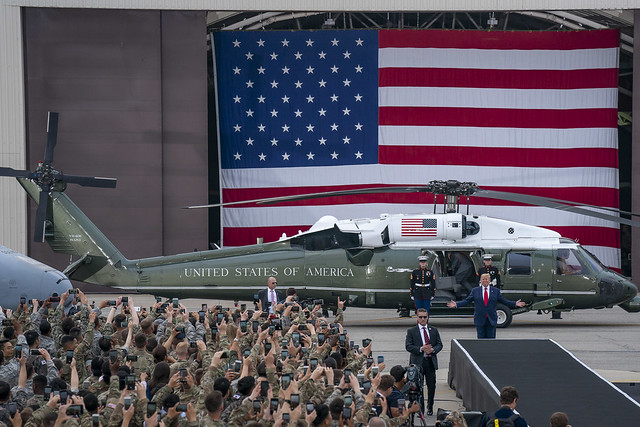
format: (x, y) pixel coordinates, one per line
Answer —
(605, 340)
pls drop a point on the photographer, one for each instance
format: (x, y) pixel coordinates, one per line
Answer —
(454, 419)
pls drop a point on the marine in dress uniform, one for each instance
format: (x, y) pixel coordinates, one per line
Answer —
(423, 285)
(491, 271)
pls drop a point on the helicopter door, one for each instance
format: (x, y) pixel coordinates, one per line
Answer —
(526, 274)
(572, 275)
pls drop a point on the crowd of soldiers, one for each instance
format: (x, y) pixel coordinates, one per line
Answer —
(65, 362)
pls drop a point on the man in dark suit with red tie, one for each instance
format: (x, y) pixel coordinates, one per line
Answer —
(270, 297)
(423, 344)
(485, 300)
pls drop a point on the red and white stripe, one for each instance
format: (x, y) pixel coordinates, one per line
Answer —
(534, 113)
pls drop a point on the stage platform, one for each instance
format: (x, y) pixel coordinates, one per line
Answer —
(548, 379)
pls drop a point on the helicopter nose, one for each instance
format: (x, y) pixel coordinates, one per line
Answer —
(616, 290)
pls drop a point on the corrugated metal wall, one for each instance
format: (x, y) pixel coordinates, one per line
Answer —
(12, 129)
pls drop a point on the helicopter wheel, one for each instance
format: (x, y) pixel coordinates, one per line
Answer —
(504, 316)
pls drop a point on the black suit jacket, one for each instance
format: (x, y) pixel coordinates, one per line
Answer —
(413, 342)
(264, 297)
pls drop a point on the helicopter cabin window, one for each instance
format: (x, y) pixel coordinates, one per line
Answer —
(519, 264)
(568, 263)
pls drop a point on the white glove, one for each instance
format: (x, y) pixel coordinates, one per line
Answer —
(412, 298)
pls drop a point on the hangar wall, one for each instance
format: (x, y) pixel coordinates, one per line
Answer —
(131, 90)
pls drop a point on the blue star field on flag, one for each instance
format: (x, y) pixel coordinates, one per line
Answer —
(292, 99)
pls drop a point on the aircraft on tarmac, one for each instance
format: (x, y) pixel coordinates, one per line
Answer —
(365, 261)
(24, 277)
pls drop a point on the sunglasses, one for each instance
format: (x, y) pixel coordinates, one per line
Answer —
(423, 317)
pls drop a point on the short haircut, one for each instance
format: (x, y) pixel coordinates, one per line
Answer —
(398, 372)
(335, 407)
(5, 391)
(246, 384)
(559, 419)
(58, 384)
(213, 401)
(8, 332)
(291, 291)
(66, 339)
(377, 422)
(421, 310)
(322, 412)
(45, 327)
(141, 340)
(40, 382)
(170, 401)
(31, 337)
(90, 402)
(222, 385)
(386, 382)
(330, 362)
(508, 395)
(67, 324)
(118, 319)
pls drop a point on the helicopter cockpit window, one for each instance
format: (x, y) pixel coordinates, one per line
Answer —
(568, 263)
(519, 264)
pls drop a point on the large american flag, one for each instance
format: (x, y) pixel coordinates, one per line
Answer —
(310, 111)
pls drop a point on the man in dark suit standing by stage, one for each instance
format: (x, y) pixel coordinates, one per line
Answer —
(270, 297)
(423, 344)
(485, 299)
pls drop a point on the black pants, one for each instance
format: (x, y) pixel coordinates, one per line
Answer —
(429, 373)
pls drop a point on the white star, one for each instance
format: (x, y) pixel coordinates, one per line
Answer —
(322, 55)
(285, 156)
(298, 113)
(359, 68)
(274, 113)
(274, 56)
(274, 141)
(261, 70)
(236, 99)
(285, 99)
(285, 128)
(359, 42)
(250, 141)
(261, 127)
(237, 156)
(322, 112)
(310, 69)
(298, 141)
(335, 42)
(249, 56)
(249, 84)
(237, 128)
(347, 82)
(309, 99)
(347, 55)
(310, 127)
(346, 139)
(261, 99)
(322, 83)
(334, 69)
(346, 111)
(260, 43)
(310, 155)
(358, 97)
(285, 42)
(298, 55)
(322, 141)
(309, 42)
(334, 155)
(358, 126)
(334, 127)
(285, 70)
(249, 112)
(358, 155)
(263, 157)
(334, 98)
(236, 43)
(274, 84)
(298, 84)
(236, 70)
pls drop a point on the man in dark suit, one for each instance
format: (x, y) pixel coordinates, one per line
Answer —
(423, 344)
(270, 297)
(485, 300)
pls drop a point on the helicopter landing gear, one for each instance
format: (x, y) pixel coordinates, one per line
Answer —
(556, 315)
(404, 311)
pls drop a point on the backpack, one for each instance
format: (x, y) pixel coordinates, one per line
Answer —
(502, 422)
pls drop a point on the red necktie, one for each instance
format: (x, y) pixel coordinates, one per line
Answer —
(426, 337)
(486, 296)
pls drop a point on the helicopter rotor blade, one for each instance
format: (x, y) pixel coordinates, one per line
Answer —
(87, 181)
(41, 217)
(306, 196)
(549, 203)
(14, 173)
(52, 137)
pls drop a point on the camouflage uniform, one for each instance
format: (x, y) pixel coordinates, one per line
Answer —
(10, 371)
(144, 363)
